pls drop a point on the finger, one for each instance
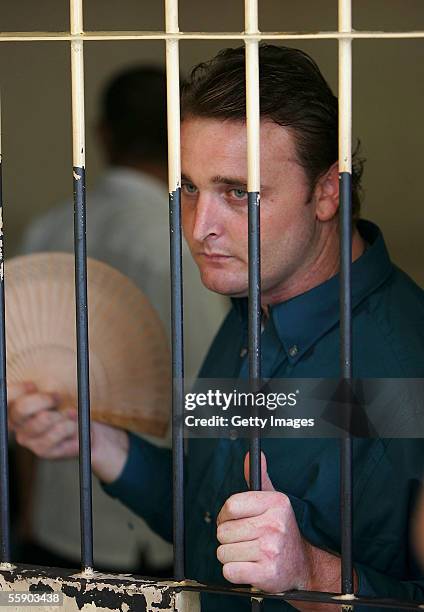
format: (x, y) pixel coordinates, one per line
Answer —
(242, 572)
(67, 448)
(241, 530)
(241, 551)
(15, 390)
(40, 423)
(248, 503)
(29, 405)
(43, 444)
(59, 432)
(265, 479)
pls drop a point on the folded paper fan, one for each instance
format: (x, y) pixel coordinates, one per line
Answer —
(129, 356)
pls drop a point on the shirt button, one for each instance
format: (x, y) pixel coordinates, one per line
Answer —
(207, 517)
(293, 350)
(243, 352)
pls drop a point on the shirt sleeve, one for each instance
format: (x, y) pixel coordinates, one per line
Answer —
(145, 484)
(372, 583)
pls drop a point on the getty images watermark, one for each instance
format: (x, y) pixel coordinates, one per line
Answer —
(247, 401)
(386, 408)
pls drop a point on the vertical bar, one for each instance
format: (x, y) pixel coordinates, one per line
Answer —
(345, 176)
(77, 68)
(174, 177)
(253, 180)
(4, 443)
(253, 187)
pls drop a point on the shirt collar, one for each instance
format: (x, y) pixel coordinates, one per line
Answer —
(302, 320)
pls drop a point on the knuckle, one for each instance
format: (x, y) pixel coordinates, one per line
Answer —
(282, 500)
(220, 554)
(53, 435)
(230, 505)
(279, 513)
(269, 548)
(227, 572)
(254, 524)
(37, 424)
(277, 525)
(22, 405)
(220, 533)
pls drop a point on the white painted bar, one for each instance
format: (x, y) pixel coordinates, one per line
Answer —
(345, 88)
(147, 35)
(252, 97)
(1, 226)
(173, 95)
(77, 71)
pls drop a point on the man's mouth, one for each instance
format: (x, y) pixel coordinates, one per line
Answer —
(214, 256)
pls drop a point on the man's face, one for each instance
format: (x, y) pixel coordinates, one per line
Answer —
(214, 206)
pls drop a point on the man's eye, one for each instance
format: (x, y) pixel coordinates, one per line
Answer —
(239, 194)
(189, 188)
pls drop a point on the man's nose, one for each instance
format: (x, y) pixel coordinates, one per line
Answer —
(206, 218)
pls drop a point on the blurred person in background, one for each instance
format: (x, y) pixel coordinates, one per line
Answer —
(127, 228)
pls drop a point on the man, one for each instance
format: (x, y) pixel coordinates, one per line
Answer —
(286, 536)
(127, 228)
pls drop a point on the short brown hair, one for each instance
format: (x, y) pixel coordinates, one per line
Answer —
(293, 94)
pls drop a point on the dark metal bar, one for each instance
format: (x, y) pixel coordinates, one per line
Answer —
(4, 443)
(346, 472)
(83, 368)
(304, 596)
(177, 379)
(254, 333)
(254, 329)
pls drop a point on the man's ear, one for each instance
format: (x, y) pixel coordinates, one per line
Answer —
(326, 194)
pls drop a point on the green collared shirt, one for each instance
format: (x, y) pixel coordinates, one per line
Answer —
(301, 340)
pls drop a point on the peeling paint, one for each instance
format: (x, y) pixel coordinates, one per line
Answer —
(100, 592)
(88, 572)
(99, 575)
(348, 596)
(105, 597)
(187, 601)
(77, 177)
